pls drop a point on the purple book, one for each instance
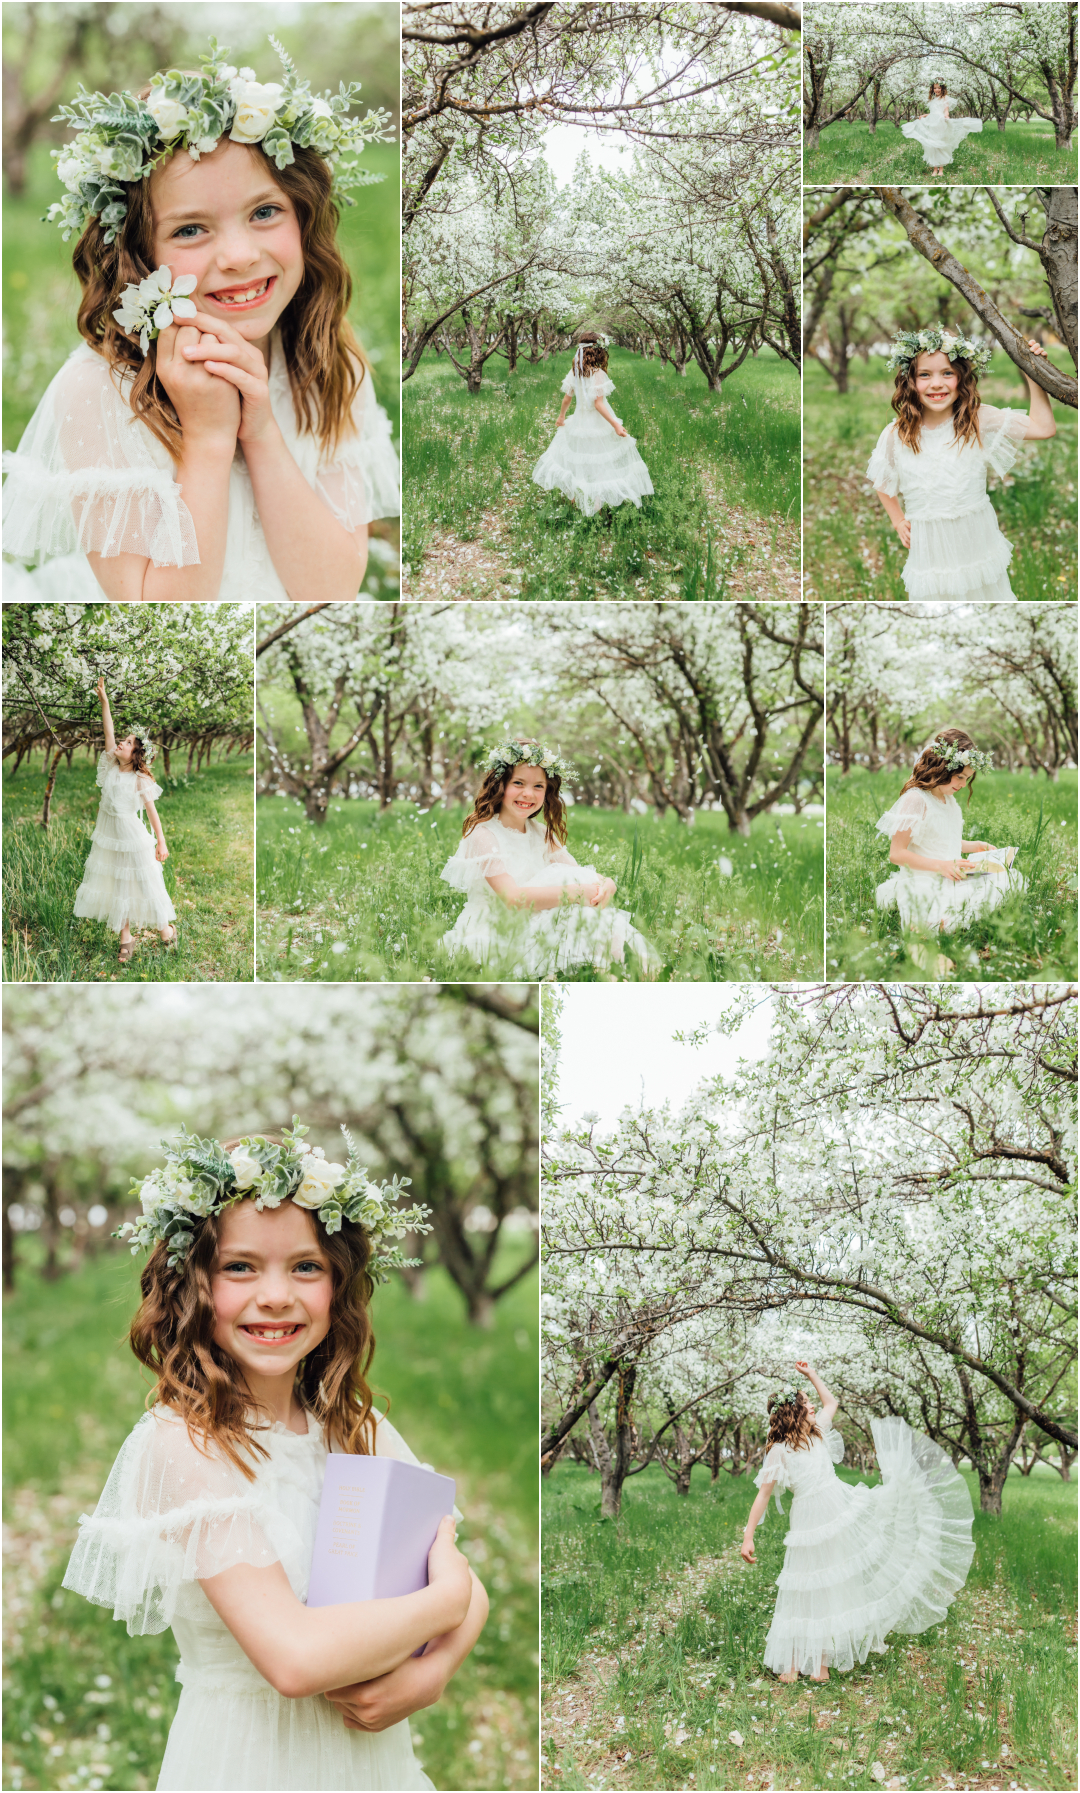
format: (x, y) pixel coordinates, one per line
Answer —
(377, 1522)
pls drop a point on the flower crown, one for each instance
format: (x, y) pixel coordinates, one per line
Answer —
(149, 747)
(956, 758)
(200, 1178)
(908, 345)
(527, 753)
(788, 1399)
(124, 138)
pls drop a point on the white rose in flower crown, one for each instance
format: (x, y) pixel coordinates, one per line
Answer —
(151, 1194)
(319, 1181)
(168, 115)
(245, 1169)
(257, 105)
(321, 109)
(188, 1195)
(72, 170)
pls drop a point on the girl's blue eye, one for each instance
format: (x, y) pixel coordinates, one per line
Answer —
(239, 1264)
(186, 227)
(309, 1265)
(261, 210)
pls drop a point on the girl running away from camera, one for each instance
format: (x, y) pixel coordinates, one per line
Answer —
(592, 459)
(255, 1321)
(513, 866)
(937, 454)
(859, 1562)
(217, 435)
(122, 883)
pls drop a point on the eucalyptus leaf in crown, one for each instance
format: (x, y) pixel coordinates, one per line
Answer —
(200, 1178)
(956, 758)
(908, 345)
(123, 138)
(509, 754)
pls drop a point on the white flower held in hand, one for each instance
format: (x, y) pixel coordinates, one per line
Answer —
(153, 304)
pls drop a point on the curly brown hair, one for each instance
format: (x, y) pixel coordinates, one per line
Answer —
(908, 405)
(172, 1334)
(325, 362)
(930, 770)
(934, 85)
(593, 354)
(489, 799)
(790, 1422)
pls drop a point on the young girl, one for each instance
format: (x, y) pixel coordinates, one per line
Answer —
(255, 1322)
(217, 435)
(510, 860)
(937, 132)
(934, 886)
(937, 454)
(587, 461)
(123, 884)
(859, 1562)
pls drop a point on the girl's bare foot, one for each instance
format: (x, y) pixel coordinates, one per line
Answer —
(824, 1675)
(792, 1675)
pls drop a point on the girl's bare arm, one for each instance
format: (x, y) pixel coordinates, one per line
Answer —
(517, 897)
(901, 852)
(106, 718)
(756, 1515)
(606, 412)
(563, 409)
(375, 1705)
(829, 1402)
(314, 555)
(1041, 424)
(896, 516)
(152, 818)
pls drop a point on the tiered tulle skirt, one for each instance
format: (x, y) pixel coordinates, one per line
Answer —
(592, 465)
(939, 137)
(539, 943)
(927, 900)
(861, 1562)
(122, 881)
(963, 557)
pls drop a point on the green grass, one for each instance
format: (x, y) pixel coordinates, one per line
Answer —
(469, 460)
(1031, 935)
(994, 1684)
(1020, 155)
(370, 886)
(464, 1399)
(207, 822)
(851, 550)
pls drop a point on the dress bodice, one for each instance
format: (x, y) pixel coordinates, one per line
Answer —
(947, 478)
(937, 108)
(124, 793)
(492, 850)
(807, 1470)
(936, 825)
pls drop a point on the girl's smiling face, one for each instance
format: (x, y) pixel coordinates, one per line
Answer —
(936, 381)
(523, 795)
(226, 221)
(960, 779)
(125, 749)
(272, 1287)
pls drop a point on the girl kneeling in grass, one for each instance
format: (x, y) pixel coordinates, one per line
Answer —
(858, 1562)
(255, 1322)
(511, 860)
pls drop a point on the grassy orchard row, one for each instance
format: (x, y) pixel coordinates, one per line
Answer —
(851, 550)
(361, 895)
(1024, 154)
(655, 1630)
(469, 460)
(1032, 934)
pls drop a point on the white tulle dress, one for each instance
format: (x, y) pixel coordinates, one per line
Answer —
(86, 477)
(587, 460)
(122, 881)
(861, 1562)
(939, 135)
(957, 549)
(171, 1516)
(926, 899)
(539, 942)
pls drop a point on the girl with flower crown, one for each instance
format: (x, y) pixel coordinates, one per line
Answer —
(511, 864)
(593, 460)
(937, 454)
(255, 1321)
(934, 887)
(859, 1562)
(122, 883)
(217, 435)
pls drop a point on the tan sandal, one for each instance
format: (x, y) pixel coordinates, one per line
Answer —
(127, 951)
(173, 937)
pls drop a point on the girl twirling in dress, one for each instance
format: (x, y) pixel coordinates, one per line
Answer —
(592, 458)
(934, 886)
(217, 435)
(122, 883)
(939, 134)
(859, 1562)
(255, 1322)
(937, 454)
(510, 860)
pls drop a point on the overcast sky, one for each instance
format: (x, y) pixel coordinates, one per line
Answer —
(617, 1041)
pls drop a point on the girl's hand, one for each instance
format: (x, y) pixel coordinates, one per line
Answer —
(1036, 348)
(621, 429)
(161, 852)
(228, 357)
(978, 846)
(376, 1705)
(100, 687)
(803, 1367)
(208, 408)
(602, 893)
(559, 421)
(746, 1551)
(952, 869)
(448, 1570)
(903, 530)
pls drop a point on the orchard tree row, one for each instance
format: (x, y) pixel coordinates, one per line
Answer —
(665, 707)
(890, 1191)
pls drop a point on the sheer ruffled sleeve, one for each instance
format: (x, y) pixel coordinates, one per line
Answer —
(88, 477)
(882, 471)
(478, 857)
(170, 1516)
(106, 762)
(831, 1438)
(1002, 431)
(568, 384)
(908, 812)
(775, 1469)
(559, 856)
(363, 481)
(149, 792)
(600, 385)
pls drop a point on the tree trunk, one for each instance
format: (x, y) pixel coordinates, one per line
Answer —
(614, 1463)
(12, 1190)
(481, 1309)
(811, 139)
(991, 1483)
(316, 800)
(47, 805)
